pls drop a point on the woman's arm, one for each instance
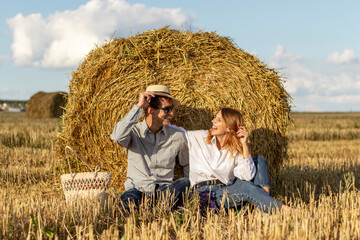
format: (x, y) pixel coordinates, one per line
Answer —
(178, 128)
(244, 164)
(244, 168)
(243, 136)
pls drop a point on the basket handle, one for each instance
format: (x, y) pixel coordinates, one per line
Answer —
(97, 168)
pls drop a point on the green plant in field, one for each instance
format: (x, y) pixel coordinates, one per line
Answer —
(46, 230)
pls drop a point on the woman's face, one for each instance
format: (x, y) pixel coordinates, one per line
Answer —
(219, 127)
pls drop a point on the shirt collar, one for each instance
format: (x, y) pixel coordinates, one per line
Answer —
(165, 129)
(213, 142)
(145, 129)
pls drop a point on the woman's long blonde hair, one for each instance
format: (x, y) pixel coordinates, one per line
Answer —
(233, 119)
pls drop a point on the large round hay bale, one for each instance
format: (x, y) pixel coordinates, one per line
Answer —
(204, 70)
(46, 105)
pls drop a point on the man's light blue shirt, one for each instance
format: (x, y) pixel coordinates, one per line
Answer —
(151, 160)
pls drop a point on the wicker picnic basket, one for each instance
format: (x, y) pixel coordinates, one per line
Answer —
(84, 185)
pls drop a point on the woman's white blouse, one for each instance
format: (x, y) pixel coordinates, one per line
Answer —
(207, 162)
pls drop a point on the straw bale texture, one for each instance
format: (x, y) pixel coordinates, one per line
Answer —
(203, 70)
(46, 105)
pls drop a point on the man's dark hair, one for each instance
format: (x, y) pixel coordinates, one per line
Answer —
(155, 102)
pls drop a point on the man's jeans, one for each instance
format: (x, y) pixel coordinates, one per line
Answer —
(177, 189)
(245, 191)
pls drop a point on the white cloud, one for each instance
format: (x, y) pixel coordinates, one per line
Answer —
(319, 103)
(5, 90)
(348, 56)
(5, 58)
(344, 99)
(312, 90)
(297, 75)
(282, 55)
(63, 39)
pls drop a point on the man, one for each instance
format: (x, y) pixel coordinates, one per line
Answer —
(152, 147)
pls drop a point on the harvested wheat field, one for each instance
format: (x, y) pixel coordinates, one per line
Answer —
(320, 181)
(314, 158)
(203, 70)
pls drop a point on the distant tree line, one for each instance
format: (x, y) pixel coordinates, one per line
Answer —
(14, 103)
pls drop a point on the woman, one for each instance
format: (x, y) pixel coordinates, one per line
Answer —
(221, 164)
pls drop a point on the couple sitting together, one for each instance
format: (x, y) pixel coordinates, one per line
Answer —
(215, 161)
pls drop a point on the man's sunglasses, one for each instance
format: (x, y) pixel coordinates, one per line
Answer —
(166, 110)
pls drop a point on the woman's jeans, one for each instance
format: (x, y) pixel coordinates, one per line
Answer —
(245, 191)
(177, 189)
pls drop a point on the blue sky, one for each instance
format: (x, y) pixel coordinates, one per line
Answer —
(314, 44)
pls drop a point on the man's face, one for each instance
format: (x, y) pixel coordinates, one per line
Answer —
(159, 116)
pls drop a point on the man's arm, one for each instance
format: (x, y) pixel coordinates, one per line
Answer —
(121, 133)
(183, 154)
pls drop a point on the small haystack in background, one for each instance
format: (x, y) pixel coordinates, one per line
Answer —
(46, 105)
(203, 70)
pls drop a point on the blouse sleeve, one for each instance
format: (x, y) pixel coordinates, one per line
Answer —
(122, 130)
(244, 168)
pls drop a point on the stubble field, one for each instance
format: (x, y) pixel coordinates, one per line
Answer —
(320, 181)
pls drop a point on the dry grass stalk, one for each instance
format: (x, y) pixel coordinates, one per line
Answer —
(319, 181)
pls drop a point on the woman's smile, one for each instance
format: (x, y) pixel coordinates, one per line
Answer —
(219, 126)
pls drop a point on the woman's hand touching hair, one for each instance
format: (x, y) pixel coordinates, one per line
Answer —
(243, 136)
